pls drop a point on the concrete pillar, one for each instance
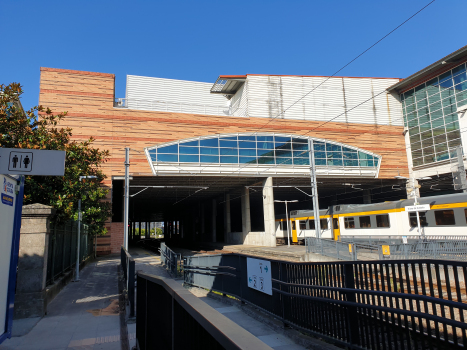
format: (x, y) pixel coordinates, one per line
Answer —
(366, 197)
(268, 209)
(227, 222)
(31, 295)
(213, 224)
(246, 219)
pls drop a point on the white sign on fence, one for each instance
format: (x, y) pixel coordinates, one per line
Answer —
(259, 275)
(419, 207)
(20, 161)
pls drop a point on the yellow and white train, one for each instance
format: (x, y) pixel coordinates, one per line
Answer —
(447, 217)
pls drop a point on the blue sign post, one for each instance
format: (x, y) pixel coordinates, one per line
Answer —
(11, 207)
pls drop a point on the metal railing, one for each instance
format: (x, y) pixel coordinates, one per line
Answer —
(170, 317)
(402, 304)
(62, 248)
(128, 267)
(172, 260)
(445, 250)
(376, 239)
(171, 106)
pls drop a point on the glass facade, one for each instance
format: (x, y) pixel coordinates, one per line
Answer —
(430, 114)
(262, 149)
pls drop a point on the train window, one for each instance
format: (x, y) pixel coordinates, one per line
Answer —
(382, 220)
(335, 223)
(312, 224)
(465, 212)
(302, 225)
(349, 222)
(444, 217)
(365, 222)
(413, 219)
(293, 225)
(324, 224)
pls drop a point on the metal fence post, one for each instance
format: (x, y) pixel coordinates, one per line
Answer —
(54, 251)
(352, 324)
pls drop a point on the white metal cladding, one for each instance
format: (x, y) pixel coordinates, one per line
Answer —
(239, 102)
(184, 168)
(172, 95)
(337, 97)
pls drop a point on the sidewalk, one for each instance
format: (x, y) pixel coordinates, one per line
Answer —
(83, 316)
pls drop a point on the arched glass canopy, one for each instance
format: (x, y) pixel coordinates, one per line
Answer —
(267, 149)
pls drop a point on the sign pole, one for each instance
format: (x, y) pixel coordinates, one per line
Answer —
(79, 241)
(314, 189)
(287, 218)
(127, 197)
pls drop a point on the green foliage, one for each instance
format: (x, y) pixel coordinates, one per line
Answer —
(38, 128)
(159, 231)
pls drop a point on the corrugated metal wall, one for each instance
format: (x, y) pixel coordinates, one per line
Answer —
(290, 98)
(239, 102)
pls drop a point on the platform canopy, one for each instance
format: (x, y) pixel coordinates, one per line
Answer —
(261, 154)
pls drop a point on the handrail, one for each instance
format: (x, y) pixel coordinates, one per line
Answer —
(225, 332)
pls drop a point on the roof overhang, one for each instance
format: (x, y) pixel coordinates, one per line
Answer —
(228, 85)
(446, 63)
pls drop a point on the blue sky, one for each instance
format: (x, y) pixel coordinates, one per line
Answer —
(200, 40)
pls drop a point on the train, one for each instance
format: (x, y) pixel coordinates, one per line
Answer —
(447, 217)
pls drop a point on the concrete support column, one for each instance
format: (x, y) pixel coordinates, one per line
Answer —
(246, 219)
(268, 209)
(366, 197)
(31, 295)
(227, 222)
(213, 223)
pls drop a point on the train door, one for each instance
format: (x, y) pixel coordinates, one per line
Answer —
(335, 227)
(294, 231)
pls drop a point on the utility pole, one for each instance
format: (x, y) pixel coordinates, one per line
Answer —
(314, 189)
(458, 173)
(127, 197)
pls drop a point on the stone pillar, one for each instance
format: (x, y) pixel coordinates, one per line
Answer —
(366, 197)
(214, 223)
(268, 209)
(246, 219)
(227, 222)
(31, 296)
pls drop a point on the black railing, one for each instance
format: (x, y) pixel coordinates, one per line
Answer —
(405, 304)
(62, 248)
(170, 317)
(128, 267)
(172, 260)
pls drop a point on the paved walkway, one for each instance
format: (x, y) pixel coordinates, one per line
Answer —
(84, 315)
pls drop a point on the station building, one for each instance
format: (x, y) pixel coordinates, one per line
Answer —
(209, 159)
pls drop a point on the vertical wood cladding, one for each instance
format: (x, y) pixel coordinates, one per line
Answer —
(88, 98)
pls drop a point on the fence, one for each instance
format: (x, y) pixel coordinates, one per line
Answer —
(397, 239)
(128, 267)
(401, 304)
(62, 248)
(446, 250)
(172, 260)
(170, 317)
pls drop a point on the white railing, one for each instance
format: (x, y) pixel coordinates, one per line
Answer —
(170, 106)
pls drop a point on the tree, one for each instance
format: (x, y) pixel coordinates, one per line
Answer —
(38, 128)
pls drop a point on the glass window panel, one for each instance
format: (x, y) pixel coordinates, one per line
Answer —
(300, 154)
(333, 148)
(266, 160)
(375, 161)
(454, 143)
(281, 139)
(232, 144)
(334, 155)
(440, 138)
(335, 162)
(437, 123)
(416, 145)
(320, 161)
(280, 153)
(422, 104)
(301, 161)
(247, 138)
(420, 92)
(209, 159)
(428, 150)
(382, 220)
(458, 69)
(425, 127)
(168, 149)
(190, 143)
(266, 145)
(229, 151)
(413, 123)
(184, 158)
(444, 217)
(436, 115)
(350, 155)
(283, 145)
(166, 158)
(362, 155)
(365, 222)
(445, 76)
(349, 222)
(230, 138)
(415, 138)
(451, 127)
(265, 138)
(417, 162)
(283, 161)
(411, 108)
(350, 162)
(248, 152)
(443, 147)
(413, 219)
(451, 118)
(423, 120)
(461, 98)
(265, 152)
(210, 142)
(300, 146)
(320, 154)
(429, 159)
(319, 146)
(229, 159)
(435, 107)
(460, 87)
(189, 150)
(299, 140)
(417, 154)
(436, 97)
(246, 144)
(427, 142)
(248, 160)
(206, 150)
(409, 97)
(442, 156)
(450, 109)
(460, 78)
(426, 135)
(445, 96)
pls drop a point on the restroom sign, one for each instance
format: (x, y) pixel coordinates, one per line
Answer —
(259, 275)
(19, 161)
